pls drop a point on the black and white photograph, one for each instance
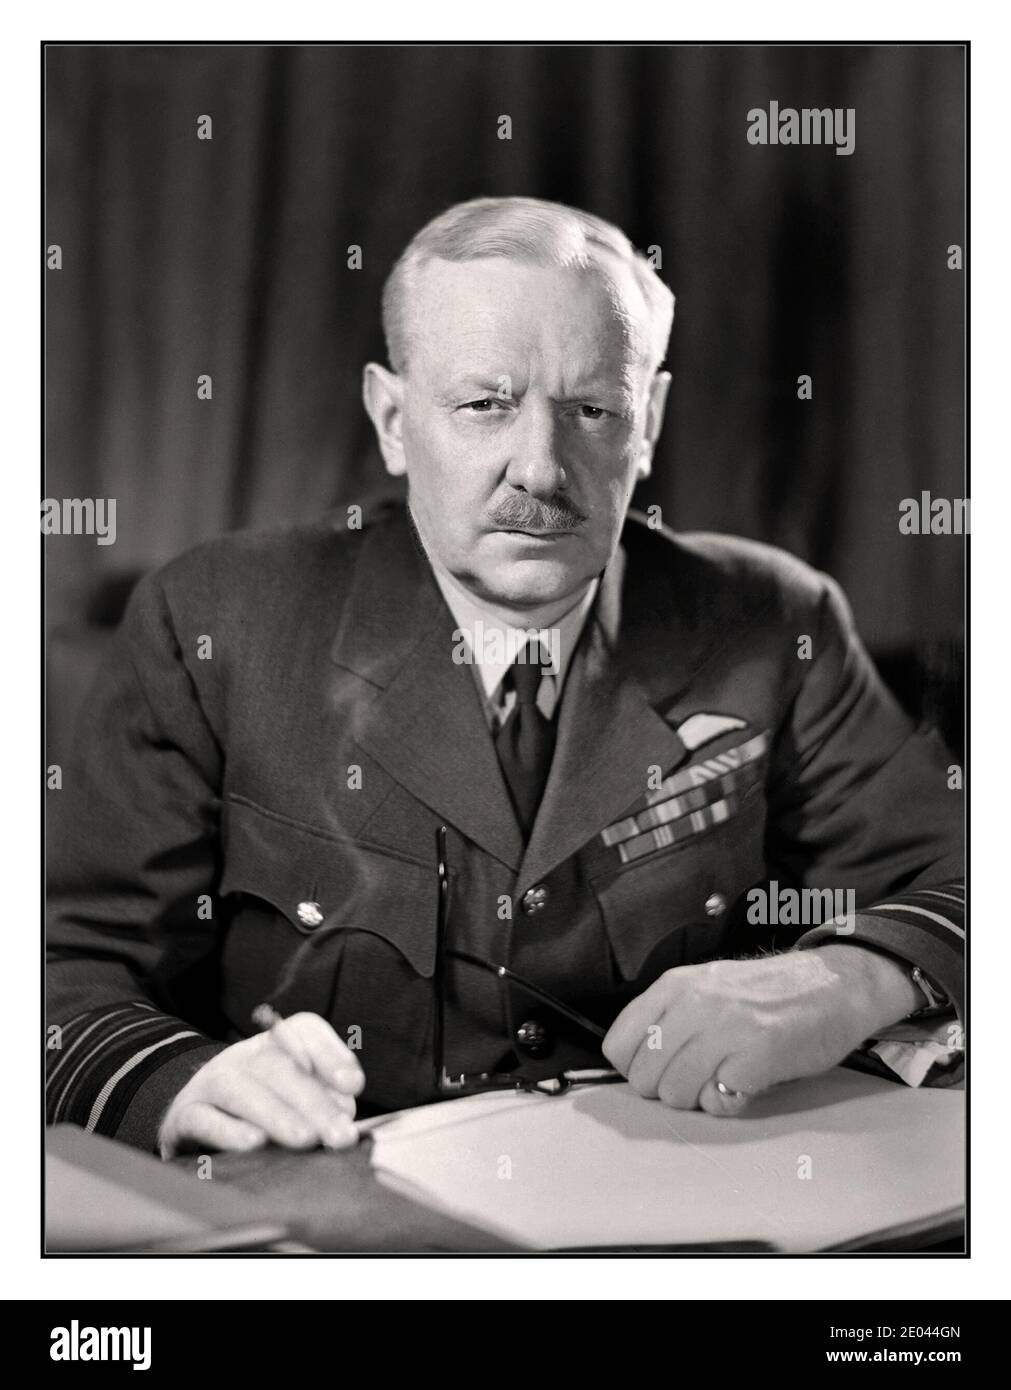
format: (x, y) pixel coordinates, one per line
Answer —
(505, 527)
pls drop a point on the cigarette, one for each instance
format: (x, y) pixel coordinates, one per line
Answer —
(266, 1018)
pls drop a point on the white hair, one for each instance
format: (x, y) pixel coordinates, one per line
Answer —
(534, 232)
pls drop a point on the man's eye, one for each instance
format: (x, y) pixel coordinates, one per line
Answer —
(484, 406)
(592, 412)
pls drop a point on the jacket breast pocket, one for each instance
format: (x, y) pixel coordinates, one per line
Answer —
(335, 927)
(682, 903)
(293, 888)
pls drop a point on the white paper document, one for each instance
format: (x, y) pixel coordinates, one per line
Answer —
(814, 1163)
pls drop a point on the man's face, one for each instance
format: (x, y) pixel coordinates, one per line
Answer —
(526, 414)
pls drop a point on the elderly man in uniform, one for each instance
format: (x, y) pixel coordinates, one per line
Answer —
(484, 791)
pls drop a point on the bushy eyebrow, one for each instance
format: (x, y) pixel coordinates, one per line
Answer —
(618, 393)
(464, 386)
(589, 390)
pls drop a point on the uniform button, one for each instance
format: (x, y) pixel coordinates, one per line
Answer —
(532, 1037)
(309, 914)
(715, 904)
(535, 899)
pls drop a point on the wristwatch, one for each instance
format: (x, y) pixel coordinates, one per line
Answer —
(937, 1001)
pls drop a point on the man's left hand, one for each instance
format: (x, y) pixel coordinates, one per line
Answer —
(752, 1023)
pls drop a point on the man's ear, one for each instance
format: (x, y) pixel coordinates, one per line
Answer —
(655, 407)
(382, 393)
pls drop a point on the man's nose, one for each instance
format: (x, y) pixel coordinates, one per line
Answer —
(535, 463)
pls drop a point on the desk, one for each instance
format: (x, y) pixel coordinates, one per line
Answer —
(333, 1202)
(101, 1195)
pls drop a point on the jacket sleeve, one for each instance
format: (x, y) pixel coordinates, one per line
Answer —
(860, 799)
(132, 864)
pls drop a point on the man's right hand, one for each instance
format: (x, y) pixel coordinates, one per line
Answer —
(293, 1085)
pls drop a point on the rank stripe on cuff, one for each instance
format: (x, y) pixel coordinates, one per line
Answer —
(946, 896)
(105, 1057)
(63, 1061)
(908, 927)
(937, 911)
(920, 912)
(128, 1066)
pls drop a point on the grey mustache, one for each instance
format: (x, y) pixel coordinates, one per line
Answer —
(527, 514)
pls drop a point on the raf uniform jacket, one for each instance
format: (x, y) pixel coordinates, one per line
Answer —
(265, 763)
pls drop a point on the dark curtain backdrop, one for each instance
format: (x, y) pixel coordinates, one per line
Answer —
(228, 257)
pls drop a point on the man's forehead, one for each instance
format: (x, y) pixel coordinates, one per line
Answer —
(471, 313)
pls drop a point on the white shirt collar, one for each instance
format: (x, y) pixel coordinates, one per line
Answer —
(492, 645)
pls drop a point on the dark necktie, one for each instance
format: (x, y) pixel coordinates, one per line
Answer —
(526, 741)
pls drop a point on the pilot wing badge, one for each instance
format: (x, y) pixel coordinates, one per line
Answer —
(695, 798)
(700, 729)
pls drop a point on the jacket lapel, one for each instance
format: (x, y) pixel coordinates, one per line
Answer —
(609, 735)
(425, 724)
